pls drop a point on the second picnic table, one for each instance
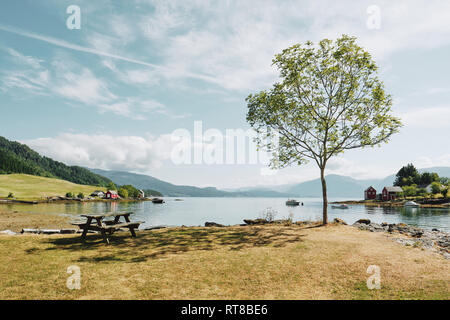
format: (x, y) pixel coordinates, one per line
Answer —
(107, 227)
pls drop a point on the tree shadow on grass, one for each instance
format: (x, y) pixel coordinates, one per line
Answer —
(155, 244)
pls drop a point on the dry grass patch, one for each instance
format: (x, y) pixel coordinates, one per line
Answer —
(16, 221)
(260, 262)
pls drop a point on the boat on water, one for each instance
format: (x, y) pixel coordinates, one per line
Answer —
(157, 200)
(411, 204)
(340, 206)
(292, 202)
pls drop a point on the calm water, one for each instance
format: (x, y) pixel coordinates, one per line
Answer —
(196, 211)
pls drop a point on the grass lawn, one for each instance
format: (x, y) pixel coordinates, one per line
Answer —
(27, 187)
(257, 262)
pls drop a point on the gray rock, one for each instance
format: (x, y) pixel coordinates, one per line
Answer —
(255, 221)
(339, 221)
(213, 224)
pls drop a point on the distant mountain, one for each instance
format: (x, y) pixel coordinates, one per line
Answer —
(171, 190)
(19, 158)
(338, 186)
(341, 186)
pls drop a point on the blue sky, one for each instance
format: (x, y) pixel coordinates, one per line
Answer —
(110, 94)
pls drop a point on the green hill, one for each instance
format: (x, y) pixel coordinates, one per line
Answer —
(19, 158)
(28, 187)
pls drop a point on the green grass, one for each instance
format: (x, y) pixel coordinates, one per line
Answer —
(27, 187)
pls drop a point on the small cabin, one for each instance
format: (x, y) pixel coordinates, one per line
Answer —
(370, 193)
(111, 194)
(98, 193)
(390, 193)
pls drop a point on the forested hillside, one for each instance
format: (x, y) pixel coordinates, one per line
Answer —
(19, 158)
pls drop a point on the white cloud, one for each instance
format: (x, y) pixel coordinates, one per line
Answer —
(427, 162)
(83, 86)
(104, 151)
(427, 117)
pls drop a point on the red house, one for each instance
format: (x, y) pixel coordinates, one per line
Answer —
(390, 193)
(370, 193)
(111, 194)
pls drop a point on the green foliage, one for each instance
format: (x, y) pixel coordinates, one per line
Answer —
(69, 195)
(445, 192)
(123, 193)
(19, 158)
(10, 195)
(329, 99)
(435, 187)
(154, 193)
(410, 191)
(111, 186)
(422, 192)
(408, 175)
(132, 191)
(429, 177)
(80, 195)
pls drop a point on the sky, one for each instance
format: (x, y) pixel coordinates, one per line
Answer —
(110, 89)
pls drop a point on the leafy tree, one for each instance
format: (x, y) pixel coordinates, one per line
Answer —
(111, 186)
(329, 99)
(410, 191)
(422, 192)
(407, 176)
(132, 191)
(80, 195)
(426, 178)
(435, 187)
(445, 192)
(444, 181)
(123, 193)
(69, 195)
(10, 195)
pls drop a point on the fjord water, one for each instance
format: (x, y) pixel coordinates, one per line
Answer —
(231, 211)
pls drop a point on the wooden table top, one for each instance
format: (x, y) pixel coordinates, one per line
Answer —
(105, 215)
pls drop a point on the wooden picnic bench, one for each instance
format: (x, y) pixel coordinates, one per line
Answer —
(107, 226)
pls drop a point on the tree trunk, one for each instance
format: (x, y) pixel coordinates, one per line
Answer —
(324, 194)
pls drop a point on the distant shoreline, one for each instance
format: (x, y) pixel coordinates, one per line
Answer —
(401, 203)
(14, 201)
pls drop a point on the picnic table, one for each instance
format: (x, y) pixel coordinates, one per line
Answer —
(107, 227)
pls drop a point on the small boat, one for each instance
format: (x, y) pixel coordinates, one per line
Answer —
(411, 204)
(157, 200)
(340, 206)
(292, 202)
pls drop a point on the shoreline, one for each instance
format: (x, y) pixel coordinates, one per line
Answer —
(397, 204)
(34, 202)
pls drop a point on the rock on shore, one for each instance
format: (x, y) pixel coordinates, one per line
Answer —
(434, 240)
